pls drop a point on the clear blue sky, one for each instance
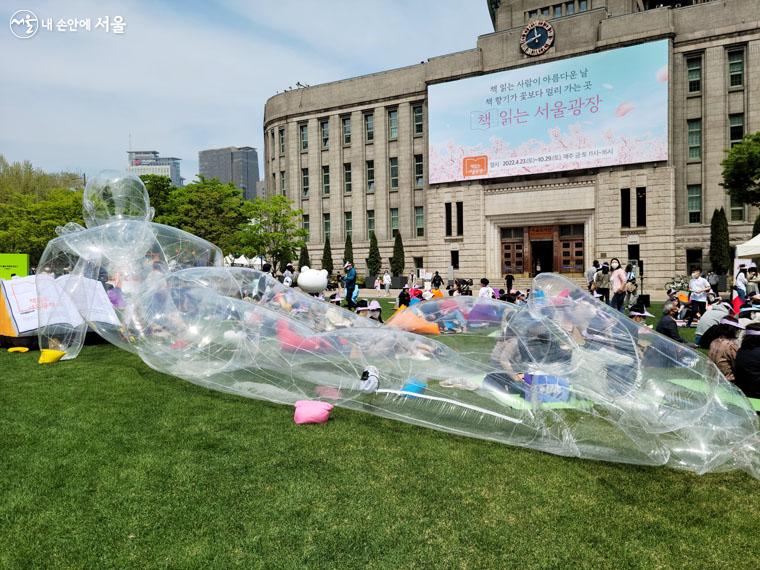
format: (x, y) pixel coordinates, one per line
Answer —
(190, 75)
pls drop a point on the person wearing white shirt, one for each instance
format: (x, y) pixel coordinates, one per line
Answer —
(485, 292)
(740, 283)
(698, 288)
(387, 282)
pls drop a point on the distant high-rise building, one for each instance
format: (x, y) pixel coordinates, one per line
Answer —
(149, 162)
(239, 165)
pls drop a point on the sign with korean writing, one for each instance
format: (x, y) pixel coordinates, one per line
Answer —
(13, 264)
(602, 109)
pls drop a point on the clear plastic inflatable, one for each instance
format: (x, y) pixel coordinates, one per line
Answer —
(562, 374)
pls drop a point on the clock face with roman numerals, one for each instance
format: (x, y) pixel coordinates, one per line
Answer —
(537, 38)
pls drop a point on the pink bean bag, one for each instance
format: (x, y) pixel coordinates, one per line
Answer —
(312, 412)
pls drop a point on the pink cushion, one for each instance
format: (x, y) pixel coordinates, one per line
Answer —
(312, 412)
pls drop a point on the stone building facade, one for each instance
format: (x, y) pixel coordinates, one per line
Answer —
(353, 154)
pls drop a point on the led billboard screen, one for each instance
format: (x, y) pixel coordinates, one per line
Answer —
(602, 109)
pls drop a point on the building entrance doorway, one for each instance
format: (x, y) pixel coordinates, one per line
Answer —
(542, 256)
(557, 248)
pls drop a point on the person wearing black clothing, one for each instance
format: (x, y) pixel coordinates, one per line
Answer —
(403, 297)
(510, 279)
(667, 325)
(747, 363)
(436, 281)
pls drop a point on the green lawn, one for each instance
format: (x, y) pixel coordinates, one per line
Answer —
(109, 464)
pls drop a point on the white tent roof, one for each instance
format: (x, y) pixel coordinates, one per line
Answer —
(242, 260)
(749, 248)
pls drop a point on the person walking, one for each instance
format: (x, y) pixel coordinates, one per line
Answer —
(698, 288)
(602, 283)
(350, 282)
(437, 281)
(590, 272)
(631, 287)
(510, 280)
(618, 280)
(387, 282)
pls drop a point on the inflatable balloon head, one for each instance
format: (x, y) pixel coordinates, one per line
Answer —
(312, 280)
(112, 196)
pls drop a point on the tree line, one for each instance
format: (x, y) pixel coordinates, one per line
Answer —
(33, 203)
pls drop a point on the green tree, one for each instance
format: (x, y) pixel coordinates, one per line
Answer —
(159, 188)
(397, 261)
(273, 230)
(21, 178)
(33, 203)
(741, 170)
(720, 248)
(374, 261)
(28, 223)
(303, 257)
(327, 262)
(209, 209)
(348, 250)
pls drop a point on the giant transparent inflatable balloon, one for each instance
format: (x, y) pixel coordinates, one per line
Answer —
(562, 374)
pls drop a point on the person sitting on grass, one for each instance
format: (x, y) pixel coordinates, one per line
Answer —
(639, 314)
(404, 297)
(724, 345)
(374, 311)
(747, 362)
(713, 314)
(667, 325)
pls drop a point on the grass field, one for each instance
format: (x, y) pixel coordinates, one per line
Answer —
(109, 464)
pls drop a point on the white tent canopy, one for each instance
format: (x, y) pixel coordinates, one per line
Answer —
(257, 262)
(242, 261)
(749, 248)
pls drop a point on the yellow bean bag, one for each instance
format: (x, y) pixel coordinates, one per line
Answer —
(49, 356)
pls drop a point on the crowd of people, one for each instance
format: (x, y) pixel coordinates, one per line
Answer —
(729, 330)
(613, 284)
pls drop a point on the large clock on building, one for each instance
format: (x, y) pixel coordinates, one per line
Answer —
(537, 38)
